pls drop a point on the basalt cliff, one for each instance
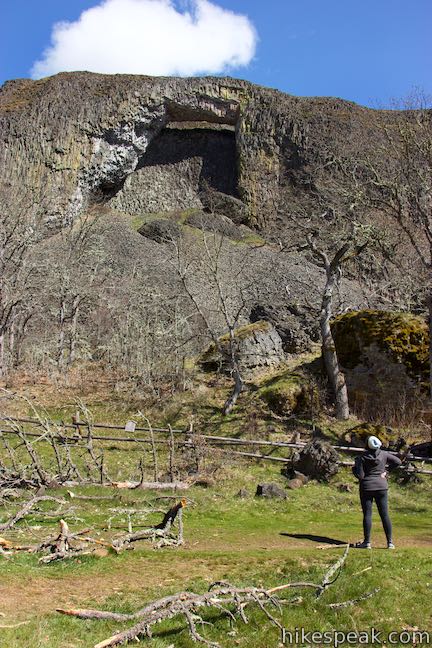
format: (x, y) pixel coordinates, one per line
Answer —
(163, 160)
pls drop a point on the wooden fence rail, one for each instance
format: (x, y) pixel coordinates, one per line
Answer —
(212, 439)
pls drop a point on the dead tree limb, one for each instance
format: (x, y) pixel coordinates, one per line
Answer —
(336, 568)
(171, 453)
(221, 596)
(161, 531)
(227, 598)
(363, 597)
(154, 453)
(25, 510)
(68, 545)
(152, 485)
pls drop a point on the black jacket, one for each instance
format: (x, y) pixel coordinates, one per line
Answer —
(370, 467)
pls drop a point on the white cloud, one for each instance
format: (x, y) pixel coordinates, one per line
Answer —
(150, 37)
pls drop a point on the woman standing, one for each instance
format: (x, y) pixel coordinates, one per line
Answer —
(371, 470)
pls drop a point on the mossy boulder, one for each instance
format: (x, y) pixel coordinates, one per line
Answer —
(257, 345)
(403, 337)
(217, 223)
(359, 434)
(385, 357)
(289, 393)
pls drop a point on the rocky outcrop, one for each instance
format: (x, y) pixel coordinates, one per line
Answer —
(216, 223)
(161, 230)
(246, 157)
(292, 322)
(257, 345)
(75, 137)
(289, 393)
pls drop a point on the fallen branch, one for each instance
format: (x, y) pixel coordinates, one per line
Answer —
(334, 569)
(152, 485)
(182, 603)
(13, 625)
(344, 604)
(222, 596)
(25, 510)
(66, 545)
(161, 530)
(72, 495)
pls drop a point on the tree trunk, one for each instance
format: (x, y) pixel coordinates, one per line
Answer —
(2, 355)
(237, 390)
(73, 331)
(335, 375)
(430, 342)
(19, 332)
(61, 337)
(235, 372)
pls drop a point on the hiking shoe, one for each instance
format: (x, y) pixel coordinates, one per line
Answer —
(390, 545)
(363, 545)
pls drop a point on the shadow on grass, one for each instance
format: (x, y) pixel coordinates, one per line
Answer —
(314, 538)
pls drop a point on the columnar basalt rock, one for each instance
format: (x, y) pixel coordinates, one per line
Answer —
(73, 136)
(191, 160)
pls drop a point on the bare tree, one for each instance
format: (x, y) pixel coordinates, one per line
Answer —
(221, 293)
(401, 189)
(18, 230)
(332, 265)
(147, 331)
(74, 278)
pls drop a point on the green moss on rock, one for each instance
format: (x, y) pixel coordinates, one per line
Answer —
(243, 332)
(403, 337)
(211, 354)
(359, 434)
(288, 393)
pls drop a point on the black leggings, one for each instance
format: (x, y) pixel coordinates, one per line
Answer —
(381, 499)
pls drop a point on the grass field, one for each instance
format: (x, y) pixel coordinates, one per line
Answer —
(248, 541)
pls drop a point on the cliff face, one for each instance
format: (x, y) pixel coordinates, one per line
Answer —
(150, 144)
(200, 162)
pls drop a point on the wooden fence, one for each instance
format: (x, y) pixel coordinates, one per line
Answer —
(189, 438)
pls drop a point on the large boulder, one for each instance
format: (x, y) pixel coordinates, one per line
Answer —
(161, 230)
(359, 434)
(292, 323)
(222, 203)
(385, 355)
(217, 223)
(257, 345)
(270, 490)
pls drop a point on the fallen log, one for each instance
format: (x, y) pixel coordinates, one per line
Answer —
(152, 485)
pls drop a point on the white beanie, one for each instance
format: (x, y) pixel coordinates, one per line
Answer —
(374, 443)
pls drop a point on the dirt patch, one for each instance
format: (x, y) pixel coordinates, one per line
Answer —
(27, 596)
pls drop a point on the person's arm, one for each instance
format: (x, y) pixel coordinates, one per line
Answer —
(358, 469)
(393, 461)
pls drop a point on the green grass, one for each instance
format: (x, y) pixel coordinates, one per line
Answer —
(227, 538)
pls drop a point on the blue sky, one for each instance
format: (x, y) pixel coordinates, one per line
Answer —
(369, 51)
